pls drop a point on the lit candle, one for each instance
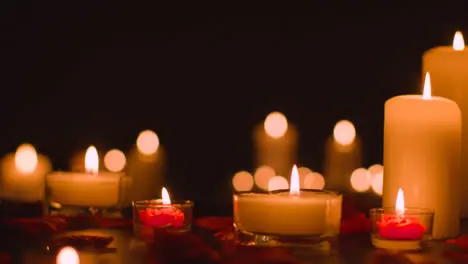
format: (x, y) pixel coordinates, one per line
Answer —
(68, 255)
(146, 166)
(23, 175)
(342, 156)
(164, 215)
(275, 144)
(398, 226)
(449, 73)
(422, 148)
(308, 212)
(91, 188)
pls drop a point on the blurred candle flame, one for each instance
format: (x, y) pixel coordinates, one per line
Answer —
(427, 87)
(344, 132)
(26, 158)
(68, 255)
(147, 142)
(294, 188)
(91, 160)
(275, 125)
(458, 42)
(165, 197)
(400, 202)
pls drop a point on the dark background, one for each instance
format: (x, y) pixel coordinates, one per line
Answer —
(99, 74)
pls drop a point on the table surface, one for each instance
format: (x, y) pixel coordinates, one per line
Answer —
(125, 249)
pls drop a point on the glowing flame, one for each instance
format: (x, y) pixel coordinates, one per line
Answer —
(458, 42)
(26, 158)
(115, 160)
(147, 142)
(91, 160)
(68, 255)
(344, 132)
(165, 196)
(275, 125)
(294, 188)
(427, 87)
(400, 202)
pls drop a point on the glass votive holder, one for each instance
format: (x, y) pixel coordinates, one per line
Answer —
(408, 231)
(310, 219)
(150, 216)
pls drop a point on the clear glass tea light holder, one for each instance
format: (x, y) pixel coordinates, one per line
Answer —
(150, 216)
(310, 219)
(407, 231)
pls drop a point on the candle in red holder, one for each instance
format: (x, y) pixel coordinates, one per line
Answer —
(401, 228)
(165, 215)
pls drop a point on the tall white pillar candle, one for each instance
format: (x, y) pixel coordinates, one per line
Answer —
(422, 154)
(23, 175)
(342, 156)
(275, 144)
(146, 164)
(449, 74)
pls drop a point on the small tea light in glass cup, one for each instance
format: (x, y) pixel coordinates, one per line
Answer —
(401, 228)
(161, 214)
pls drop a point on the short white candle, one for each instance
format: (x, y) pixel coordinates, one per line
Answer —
(90, 188)
(23, 174)
(288, 213)
(422, 148)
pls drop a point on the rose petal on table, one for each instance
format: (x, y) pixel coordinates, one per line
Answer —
(260, 255)
(5, 258)
(33, 226)
(214, 223)
(461, 241)
(458, 257)
(355, 224)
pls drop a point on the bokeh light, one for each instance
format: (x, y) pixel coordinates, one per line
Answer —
(278, 183)
(314, 180)
(344, 132)
(243, 181)
(303, 172)
(276, 125)
(263, 175)
(68, 255)
(360, 180)
(147, 142)
(26, 158)
(377, 183)
(114, 160)
(374, 170)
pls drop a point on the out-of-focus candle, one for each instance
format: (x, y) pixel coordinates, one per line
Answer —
(68, 255)
(146, 164)
(23, 174)
(449, 74)
(342, 156)
(275, 143)
(422, 148)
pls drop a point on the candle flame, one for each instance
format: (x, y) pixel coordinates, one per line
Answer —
(68, 255)
(294, 188)
(91, 160)
(427, 87)
(458, 42)
(275, 125)
(400, 202)
(26, 158)
(165, 196)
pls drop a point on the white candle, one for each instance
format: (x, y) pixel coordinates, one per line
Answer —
(342, 156)
(422, 149)
(23, 174)
(276, 144)
(288, 213)
(90, 188)
(146, 166)
(449, 73)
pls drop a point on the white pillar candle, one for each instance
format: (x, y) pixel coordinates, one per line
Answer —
(290, 213)
(449, 74)
(276, 144)
(23, 174)
(146, 166)
(422, 150)
(91, 188)
(342, 156)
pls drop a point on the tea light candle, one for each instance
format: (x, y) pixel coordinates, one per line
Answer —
(275, 143)
(90, 188)
(449, 73)
(422, 147)
(23, 174)
(288, 213)
(164, 216)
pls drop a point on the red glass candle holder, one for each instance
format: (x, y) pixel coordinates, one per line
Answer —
(394, 230)
(150, 216)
